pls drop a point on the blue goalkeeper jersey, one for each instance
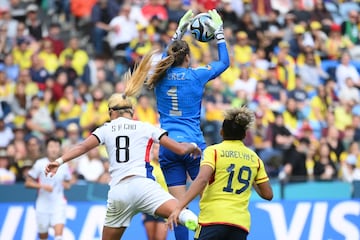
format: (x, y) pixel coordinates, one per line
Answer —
(179, 96)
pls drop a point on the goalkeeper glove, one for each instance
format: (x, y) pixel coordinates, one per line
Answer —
(216, 25)
(183, 25)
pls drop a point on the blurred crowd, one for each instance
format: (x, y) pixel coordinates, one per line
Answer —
(295, 63)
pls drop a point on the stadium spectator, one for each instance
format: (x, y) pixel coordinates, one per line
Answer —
(281, 140)
(67, 109)
(309, 68)
(294, 166)
(349, 91)
(11, 70)
(6, 176)
(120, 36)
(33, 148)
(18, 10)
(54, 36)
(245, 83)
(139, 46)
(242, 49)
(22, 53)
(81, 10)
(291, 115)
(8, 22)
(144, 110)
(320, 13)
(216, 100)
(103, 82)
(345, 69)
(102, 13)
(333, 140)
(324, 168)
(336, 43)
(228, 14)
(6, 133)
(33, 23)
(154, 8)
(318, 36)
(20, 103)
(231, 73)
(79, 57)
(48, 56)
(260, 134)
(38, 120)
(285, 66)
(257, 67)
(349, 27)
(31, 87)
(296, 43)
(302, 15)
(95, 113)
(67, 68)
(38, 72)
(247, 25)
(274, 87)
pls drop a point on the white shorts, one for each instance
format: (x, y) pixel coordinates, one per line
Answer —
(131, 196)
(46, 220)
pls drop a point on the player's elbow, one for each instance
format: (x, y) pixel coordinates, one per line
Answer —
(268, 196)
(265, 191)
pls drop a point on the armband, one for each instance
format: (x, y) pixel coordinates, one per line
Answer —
(60, 161)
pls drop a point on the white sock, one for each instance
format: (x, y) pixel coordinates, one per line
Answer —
(188, 219)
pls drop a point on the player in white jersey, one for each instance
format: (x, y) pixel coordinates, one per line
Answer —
(50, 203)
(128, 143)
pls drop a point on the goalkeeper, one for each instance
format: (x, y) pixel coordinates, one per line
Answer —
(179, 91)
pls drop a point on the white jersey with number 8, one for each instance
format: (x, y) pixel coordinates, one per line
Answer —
(128, 144)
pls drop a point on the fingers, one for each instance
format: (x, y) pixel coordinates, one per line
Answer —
(188, 14)
(209, 24)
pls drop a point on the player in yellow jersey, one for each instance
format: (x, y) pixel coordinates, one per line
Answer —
(227, 173)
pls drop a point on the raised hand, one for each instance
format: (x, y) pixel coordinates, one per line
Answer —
(183, 25)
(216, 24)
(216, 19)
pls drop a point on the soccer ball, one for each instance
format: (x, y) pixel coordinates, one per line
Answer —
(199, 30)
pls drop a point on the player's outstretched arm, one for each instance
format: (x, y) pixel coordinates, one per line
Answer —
(216, 24)
(180, 148)
(78, 150)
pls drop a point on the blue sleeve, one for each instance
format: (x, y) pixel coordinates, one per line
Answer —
(215, 68)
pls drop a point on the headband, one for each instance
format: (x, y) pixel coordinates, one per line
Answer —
(119, 108)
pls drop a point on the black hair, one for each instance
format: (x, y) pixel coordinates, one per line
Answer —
(237, 121)
(52, 139)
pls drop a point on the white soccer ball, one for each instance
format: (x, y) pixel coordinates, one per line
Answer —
(199, 30)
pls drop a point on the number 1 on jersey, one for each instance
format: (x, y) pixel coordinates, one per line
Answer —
(174, 111)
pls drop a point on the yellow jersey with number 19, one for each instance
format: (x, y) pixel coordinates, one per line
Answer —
(225, 199)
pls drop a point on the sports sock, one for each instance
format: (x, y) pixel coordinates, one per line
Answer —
(188, 219)
(181, 233)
